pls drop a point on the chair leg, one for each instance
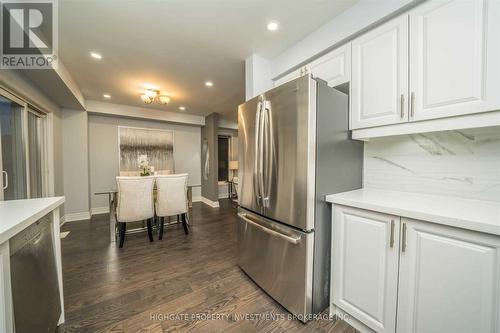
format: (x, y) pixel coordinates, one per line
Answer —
(162, 223)
(178, 218)
(184, 224)
(123, 227)
(150, 230)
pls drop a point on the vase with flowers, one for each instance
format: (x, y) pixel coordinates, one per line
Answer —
(143, 163)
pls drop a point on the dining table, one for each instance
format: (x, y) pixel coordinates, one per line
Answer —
(112, 201)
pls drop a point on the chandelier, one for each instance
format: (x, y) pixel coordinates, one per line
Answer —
(152, 95)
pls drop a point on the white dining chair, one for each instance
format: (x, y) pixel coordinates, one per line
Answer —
(163, 172)
(135, 203)
(130, 173)
(171, 199)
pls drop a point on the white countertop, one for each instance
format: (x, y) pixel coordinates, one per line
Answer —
(16, 215)
(482, 216)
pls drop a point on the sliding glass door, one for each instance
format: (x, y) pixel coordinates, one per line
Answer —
(13, 154)
(22, 150)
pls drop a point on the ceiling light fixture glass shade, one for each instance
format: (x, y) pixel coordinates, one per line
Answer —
(146, 99)
(163, 99)
(152, 95)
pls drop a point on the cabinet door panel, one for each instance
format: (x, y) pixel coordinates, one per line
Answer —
(334, 67)
(289, 77)
(365, 266)
(448, 280)
(454, 58)
(379, 80)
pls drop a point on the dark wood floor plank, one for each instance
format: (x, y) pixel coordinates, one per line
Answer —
(122, 290)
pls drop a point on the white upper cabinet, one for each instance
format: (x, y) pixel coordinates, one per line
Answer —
(454, 58)
(289, 77)
(448, 280)
(333, 67)
(365, 266)
(379, 84)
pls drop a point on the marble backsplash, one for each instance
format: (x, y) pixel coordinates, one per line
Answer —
(464, 163)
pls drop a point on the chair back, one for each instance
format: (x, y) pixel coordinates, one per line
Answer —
(163, 172)
(130, 173)
(135, 198)
(171, 194)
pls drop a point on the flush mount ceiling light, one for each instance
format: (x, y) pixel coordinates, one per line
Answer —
(96, 55)
(151, 95)
(182, 108)
(272, 26)
(209, 84)
(108, 96)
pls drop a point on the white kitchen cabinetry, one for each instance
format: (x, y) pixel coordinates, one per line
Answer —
(289, 77)
(448, 280)
(379, 84)
(366, 266)
(448, 51)
(454, 58)
(334, 67)
(440, 278)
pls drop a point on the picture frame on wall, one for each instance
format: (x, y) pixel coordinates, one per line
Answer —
(156, 144)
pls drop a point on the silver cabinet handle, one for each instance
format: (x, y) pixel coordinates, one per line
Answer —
(402, 105)
(392, 234)
(403, 242)
(412, 104)
(6, 183)
(291, 239)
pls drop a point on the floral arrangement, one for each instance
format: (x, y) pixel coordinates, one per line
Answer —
(143, 163)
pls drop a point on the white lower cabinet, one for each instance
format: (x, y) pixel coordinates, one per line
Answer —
(395, 274)
(366, 266)
(448, 280)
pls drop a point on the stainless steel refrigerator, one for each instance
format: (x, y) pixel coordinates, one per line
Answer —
(294, 148)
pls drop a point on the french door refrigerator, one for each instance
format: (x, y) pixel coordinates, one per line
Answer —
(294, 149)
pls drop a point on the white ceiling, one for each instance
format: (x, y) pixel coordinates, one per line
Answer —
(176, 45)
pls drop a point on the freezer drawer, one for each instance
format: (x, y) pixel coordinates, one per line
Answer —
(278, 259)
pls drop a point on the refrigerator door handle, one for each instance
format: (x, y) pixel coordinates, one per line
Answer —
(288, 238)
(256, 167)
(268, 138)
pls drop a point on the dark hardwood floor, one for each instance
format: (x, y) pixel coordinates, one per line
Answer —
(128, 290)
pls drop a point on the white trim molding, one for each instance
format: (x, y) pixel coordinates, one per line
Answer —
(76, 217)
(213, 204)
(99, 210)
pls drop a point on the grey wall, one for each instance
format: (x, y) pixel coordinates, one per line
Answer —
(104, 159)
(75, 161)
(58, 153)
(209, 132)
(463, 163)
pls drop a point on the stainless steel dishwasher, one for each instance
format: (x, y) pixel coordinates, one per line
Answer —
(35, 289)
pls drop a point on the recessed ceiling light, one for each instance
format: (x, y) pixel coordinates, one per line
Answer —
(182, 108)
(108, 96)
(272, 26)
(209, 84)
(95, 55)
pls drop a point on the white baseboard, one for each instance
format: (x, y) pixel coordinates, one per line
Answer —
(99, 210)
(196, 199)
(213, 204)
(76, 217)
(62, 221)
